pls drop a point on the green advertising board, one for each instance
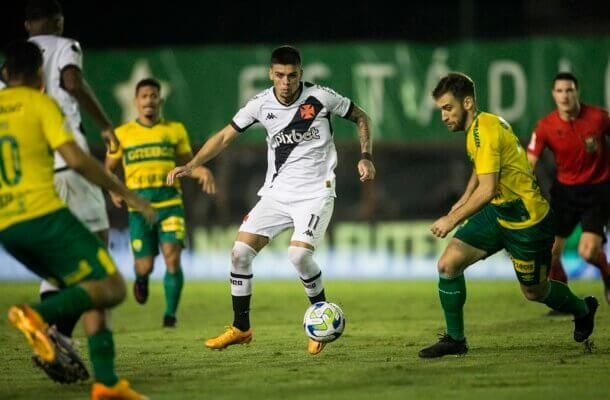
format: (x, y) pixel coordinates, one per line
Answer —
(204, 86)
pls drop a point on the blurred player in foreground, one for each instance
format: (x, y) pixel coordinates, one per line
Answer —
(38, 230)
(63, 80)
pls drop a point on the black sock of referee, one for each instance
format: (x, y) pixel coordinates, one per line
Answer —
(241, 312)
(65, 325)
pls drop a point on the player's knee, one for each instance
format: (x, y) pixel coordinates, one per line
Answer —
(299, 255)
(535, 292)
(241, 258)
(447, 267)
(107, 292)
(144, 265)
(119, 295)
(172, 264)
(117, 289)
(302, 259)
(171, 255)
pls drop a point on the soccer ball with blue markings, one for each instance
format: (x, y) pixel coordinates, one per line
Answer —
(324, 321)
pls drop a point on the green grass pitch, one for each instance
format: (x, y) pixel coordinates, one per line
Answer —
(516, 352)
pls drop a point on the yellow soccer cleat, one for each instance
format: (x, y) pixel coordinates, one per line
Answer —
(120, 391)
(314, 347)
(28, 321)
(230, 336)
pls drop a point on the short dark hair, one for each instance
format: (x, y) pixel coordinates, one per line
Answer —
(22, 58)
(148, 82)
(565, 76)
(458, 84)
(37, 9)
(286, 55)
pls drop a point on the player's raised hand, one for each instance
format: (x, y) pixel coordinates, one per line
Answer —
(112, 142)
(366, 170)
(206, 179)
(178, 172)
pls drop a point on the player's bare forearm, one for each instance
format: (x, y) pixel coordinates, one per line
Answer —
(444, 225)
(473, 183)
(366, 169)
(81, 91)
(213, 146)
(77, 86)
(210, 149)
(200, 173)
(474, 203)
(90, 103)
(363, 122)
(111, 164)
(91, 169)
(484, 191)
(364, 134)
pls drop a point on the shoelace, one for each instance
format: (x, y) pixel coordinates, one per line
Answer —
(445, 338)
(229, 331)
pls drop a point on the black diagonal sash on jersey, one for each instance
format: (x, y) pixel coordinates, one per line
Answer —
(302, 120)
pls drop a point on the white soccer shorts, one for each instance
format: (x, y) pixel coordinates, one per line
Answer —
(84, 199)
(309, 218)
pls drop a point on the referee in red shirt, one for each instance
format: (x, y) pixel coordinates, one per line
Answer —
(576, 134)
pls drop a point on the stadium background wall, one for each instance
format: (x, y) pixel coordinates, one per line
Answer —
(379, 229)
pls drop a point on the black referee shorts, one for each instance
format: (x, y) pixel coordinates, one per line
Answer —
(587, 204)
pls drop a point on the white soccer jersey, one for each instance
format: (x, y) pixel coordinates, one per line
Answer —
(301, 154)
(58, 53)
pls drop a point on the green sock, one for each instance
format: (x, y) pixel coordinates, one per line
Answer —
(561, 298)
(173, 288)
(101, 351)
(69, 302)
(452, 292)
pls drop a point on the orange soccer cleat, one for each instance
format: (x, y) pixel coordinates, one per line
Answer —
(119, 391)
(230, 336)
(28, 321)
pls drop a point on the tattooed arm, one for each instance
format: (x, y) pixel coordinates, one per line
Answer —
(366, 169)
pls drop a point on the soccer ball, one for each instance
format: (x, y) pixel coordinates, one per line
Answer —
(324, 321)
